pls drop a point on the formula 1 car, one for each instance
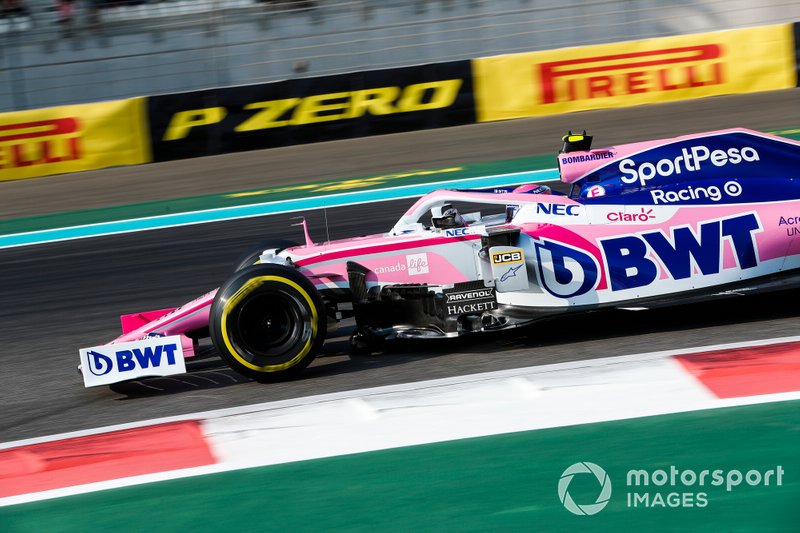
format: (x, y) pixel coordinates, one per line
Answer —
(644, 224)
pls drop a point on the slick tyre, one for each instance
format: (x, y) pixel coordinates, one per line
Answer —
(250, 257)
(268, 322)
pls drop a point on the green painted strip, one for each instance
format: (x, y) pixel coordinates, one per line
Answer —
(498, 483)
(267, 208)
(285, 192)
(272, 194)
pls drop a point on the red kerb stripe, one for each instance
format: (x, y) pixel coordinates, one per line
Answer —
(103, 457)
(749, 371)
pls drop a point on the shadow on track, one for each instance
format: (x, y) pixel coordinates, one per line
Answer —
(209, 372)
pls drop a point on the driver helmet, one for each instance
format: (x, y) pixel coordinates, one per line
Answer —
(533, 188)
(447, 216)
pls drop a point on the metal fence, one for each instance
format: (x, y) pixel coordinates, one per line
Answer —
(54, 52)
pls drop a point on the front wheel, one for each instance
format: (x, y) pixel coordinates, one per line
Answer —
(267, 322)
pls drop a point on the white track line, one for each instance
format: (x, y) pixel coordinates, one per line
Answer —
(523, 399)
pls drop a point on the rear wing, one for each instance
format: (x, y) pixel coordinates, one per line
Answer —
(708, 155)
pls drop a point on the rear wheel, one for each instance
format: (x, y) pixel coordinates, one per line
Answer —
(268, 322)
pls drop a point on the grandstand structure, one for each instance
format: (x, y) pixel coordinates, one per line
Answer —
(109, 49)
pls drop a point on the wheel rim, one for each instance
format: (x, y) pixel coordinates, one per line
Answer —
(269, 327)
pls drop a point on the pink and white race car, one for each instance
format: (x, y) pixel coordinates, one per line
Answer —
(645, 224)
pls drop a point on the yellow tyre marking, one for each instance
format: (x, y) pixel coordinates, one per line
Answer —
(251, 285)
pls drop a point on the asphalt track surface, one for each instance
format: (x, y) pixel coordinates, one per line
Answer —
(62, 296)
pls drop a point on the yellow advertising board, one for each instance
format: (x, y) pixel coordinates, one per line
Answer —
(56, 140)
(635, 72)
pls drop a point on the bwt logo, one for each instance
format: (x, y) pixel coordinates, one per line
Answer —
(127, 360)
(565, 271)
(634, 260)
(631, 73)
(26, 144)
(630, 265)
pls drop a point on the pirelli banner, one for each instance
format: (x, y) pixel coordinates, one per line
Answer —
(796, 28)
(56, 140)
(635, 72)
(308, 110)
